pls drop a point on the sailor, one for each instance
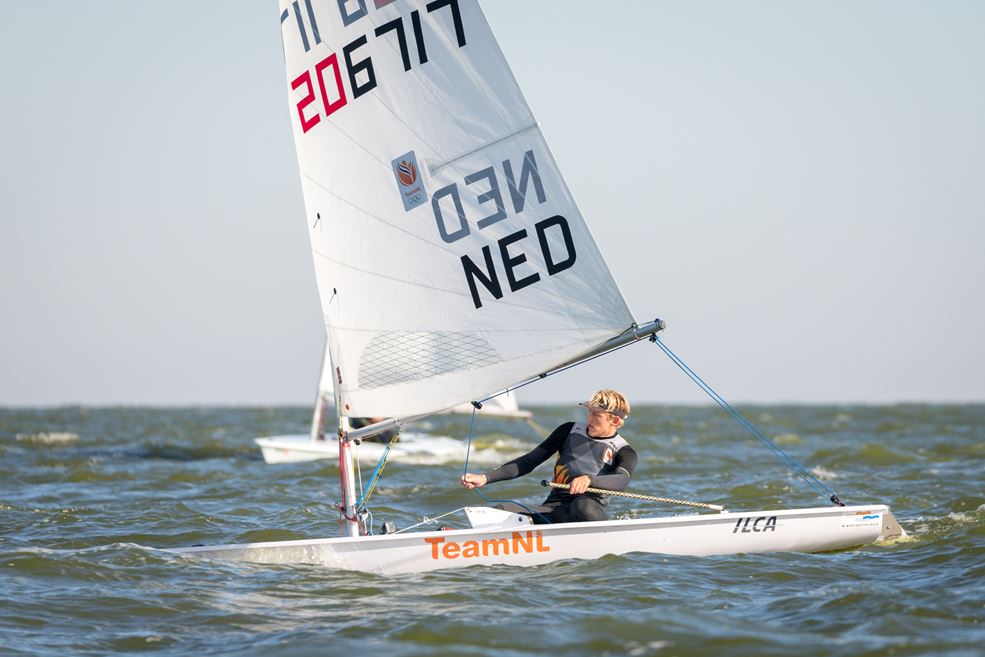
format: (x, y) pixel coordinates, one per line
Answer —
(589, 454)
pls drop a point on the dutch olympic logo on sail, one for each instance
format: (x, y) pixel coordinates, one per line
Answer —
(409, 186)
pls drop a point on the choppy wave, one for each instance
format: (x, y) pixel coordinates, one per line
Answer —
(82, 521)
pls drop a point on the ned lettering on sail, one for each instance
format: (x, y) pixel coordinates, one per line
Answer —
(550, 240)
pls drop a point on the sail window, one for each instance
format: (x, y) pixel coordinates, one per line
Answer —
(406, 356)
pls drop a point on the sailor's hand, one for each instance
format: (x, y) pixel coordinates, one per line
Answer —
(579, 484)
(471, 481)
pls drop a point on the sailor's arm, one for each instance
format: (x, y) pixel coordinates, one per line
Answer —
(521, 465)
(624, 463)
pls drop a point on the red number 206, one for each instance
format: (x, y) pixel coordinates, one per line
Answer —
(330, 105)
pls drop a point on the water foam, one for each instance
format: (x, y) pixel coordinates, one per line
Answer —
(48, 438)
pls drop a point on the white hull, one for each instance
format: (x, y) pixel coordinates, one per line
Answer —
(411, 448)
(799, 530)
(502, 406)
(417, 448)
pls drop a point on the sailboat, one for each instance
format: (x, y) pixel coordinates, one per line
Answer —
(503, 406)
(452, 262)
(413, 447)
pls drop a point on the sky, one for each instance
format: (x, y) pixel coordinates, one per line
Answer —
(795, 188)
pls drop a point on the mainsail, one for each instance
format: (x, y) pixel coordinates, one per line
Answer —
(451, 259)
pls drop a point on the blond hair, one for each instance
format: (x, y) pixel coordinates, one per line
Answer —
(612, 401)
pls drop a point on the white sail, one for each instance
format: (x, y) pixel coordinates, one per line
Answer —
(450, 257)
(324, 399)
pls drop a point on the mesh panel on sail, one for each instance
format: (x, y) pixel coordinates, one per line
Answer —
(404, 356)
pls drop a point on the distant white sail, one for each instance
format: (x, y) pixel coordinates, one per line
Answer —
(325, 399)
(503, 405)
(450, 257)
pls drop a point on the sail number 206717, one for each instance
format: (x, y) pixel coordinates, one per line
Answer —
(360, 72)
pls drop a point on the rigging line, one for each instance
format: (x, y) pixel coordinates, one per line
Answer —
(563, 369)
(359, 472)
(427, 521)
(468, 451)
(375, 477)
(810, 479)
(748, 426)
(745, 423)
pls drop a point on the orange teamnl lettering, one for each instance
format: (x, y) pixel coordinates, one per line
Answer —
(526, 543)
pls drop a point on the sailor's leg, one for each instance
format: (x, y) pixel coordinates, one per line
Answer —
(586, 508)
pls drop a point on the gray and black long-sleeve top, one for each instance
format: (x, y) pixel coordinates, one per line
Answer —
(608, 462)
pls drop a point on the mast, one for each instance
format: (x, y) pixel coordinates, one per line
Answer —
(348, 525)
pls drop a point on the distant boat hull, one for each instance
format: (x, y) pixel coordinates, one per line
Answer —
(415, 448)
(799, 530)
(502, 407)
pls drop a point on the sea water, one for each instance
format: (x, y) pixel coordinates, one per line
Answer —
(88, 495)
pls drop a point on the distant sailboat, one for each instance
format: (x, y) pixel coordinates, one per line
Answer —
(502, 406)
(452, 263)
(413, 447)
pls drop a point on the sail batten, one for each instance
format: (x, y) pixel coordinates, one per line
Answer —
(436, 168)
(450, 257)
